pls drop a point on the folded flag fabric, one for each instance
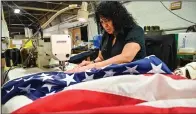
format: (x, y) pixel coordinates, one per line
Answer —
(121, 94)
(43, 84)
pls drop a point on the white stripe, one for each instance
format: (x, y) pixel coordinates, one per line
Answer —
(148, 88)
(171, 103)
(15, 103)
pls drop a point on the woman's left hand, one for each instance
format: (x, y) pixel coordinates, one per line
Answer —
(80, 69)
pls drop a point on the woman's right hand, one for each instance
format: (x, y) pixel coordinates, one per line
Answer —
(84, 63)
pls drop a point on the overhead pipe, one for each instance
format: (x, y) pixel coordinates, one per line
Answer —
(60, 3)
(50, 2)
(19, 25)
(172, 29)
(2, 13)
(34, 8)
(37, 9)
(58, 13)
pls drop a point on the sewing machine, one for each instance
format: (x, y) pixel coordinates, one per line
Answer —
(47, 49)
(57, 47)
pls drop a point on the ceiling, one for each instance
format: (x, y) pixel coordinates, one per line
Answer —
(33, 13)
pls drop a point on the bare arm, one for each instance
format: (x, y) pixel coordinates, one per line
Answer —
(129, 52)
(85, 63)
(99, 58)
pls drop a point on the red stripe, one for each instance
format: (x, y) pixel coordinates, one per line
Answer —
(130, 109)
(76, 100)
(175, 77)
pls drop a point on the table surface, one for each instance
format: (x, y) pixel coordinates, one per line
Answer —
(186, 53)
(20, 72)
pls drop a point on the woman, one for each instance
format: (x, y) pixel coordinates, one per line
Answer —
(122, 40)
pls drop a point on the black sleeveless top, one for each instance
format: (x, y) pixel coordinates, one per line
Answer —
(128, 35)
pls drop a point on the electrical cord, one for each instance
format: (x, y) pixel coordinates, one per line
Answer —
(21, 14)
(19, 20)
(44, 25)
(40, 29)
(28, 14)
(176, 14)
(5, 75)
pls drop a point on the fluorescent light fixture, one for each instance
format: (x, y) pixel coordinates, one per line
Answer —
(83, 13)
(16, 10)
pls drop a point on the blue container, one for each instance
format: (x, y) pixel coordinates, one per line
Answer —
(97, 41)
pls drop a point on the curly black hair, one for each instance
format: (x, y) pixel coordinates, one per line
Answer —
(116, 12)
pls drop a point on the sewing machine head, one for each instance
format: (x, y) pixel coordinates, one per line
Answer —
(57, 47)
(61, 48)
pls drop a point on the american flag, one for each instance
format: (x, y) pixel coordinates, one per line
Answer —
(143, 86)
(47, 83)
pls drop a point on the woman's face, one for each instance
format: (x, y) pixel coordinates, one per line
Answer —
(107, 25)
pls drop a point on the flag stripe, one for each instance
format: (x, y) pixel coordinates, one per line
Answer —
(15, 103)
(112, 87)
(33, 86)
(75, 100)
(115, 91)
(171, 103)
(136, 110)
(173, 76)
(147, 88)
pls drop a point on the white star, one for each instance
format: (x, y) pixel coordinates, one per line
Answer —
(26, 89)
(109, 73)
(46, 78)
(149, 56)
(105, 66)
(69, 79)
(89, 70)
(18, 79)
(51, 93)
(10, 90)
(88, 77)
(156, 69)
(131, 70)
(28, 79)
(49, 86)
(43, 74)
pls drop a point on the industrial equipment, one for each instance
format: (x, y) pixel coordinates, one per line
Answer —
(57, 47)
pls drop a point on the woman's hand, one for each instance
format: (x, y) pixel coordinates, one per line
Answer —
(81, 69)
(84, 63)
(78, 67)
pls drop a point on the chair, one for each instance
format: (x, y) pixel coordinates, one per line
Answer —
(164, 47)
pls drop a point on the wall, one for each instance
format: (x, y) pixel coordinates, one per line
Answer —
(61, 28)
(153, 13)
